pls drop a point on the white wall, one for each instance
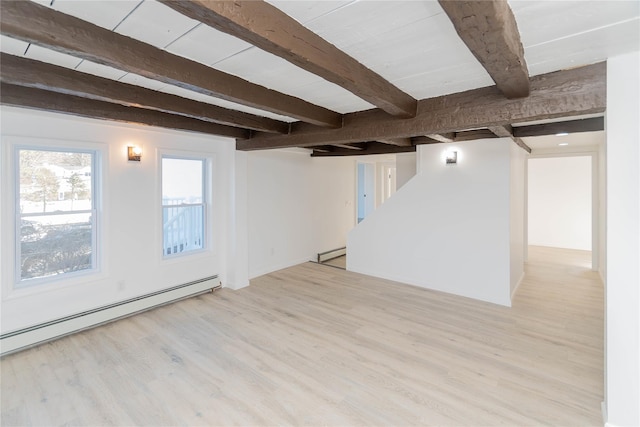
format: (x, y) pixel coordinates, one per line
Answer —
(130, 247)
(405, 168)
(560, 202)
(623, 241)
(446, 229)
(298, 206)
(517, 204)
(602, 212)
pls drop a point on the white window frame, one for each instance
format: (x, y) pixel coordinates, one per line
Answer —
(19, 282)
(206, 197)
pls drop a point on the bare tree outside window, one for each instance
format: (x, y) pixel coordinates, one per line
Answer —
(56, 213)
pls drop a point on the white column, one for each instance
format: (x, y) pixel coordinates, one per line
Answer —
(623, 241)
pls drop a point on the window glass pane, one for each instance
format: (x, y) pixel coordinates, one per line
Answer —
(182, 228)
(182, 181)
(55, 214)
(55, 244)
(52, 181)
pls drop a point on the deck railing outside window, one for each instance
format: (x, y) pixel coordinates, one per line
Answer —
(183, 226)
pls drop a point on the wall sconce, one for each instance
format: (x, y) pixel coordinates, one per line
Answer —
(451, 157)
(134, 153)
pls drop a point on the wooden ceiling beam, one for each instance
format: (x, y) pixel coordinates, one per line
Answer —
(565, 93)
(40, 25)
(36, 74)
(470, 135)
(502, 131)
(40, 99)
(349, 146)
(400, 142)
(442, 137)
(570, 126)
(422, 140)
(506, 131)
(270, 29)
(489, 30)
(370, 148)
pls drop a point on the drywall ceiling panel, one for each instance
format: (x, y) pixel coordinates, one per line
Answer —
(443, 81)
(156, 24)
(12, 46)
(185, 93)
(307, 11)
(275, 73)
(547, 21)
(100, 70)
(52, 57)
(402, 41)
(107, 14)
(603, 42)
(137, 80)
(207, 45)
(332, 96)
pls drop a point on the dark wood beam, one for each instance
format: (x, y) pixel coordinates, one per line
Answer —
(569, 126)
(40, 25)
(273, 31)
(422, 140)
(506, 131)
(370, 148)
(502, 131)
(36, 74)
(565, 93)
(356, 147)
(466, 135)
(400, 142)
(442, 137)
(489, 30)
(470, 135)
(323, 148)
(39, 99)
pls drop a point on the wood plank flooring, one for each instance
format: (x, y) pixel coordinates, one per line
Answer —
(315, 345)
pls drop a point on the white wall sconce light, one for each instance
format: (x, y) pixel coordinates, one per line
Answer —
(134, 153)
(451, 157)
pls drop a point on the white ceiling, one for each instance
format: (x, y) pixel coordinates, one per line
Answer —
(410, 43)
(574, 141)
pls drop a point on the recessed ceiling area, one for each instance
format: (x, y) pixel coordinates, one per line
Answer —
(573, 141)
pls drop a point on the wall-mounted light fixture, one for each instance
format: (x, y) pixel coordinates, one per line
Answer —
(134, 153)
(451, 157)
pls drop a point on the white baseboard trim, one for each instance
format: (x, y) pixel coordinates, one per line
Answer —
(14, 341)
(236, 287)
(335, 253)
(605, 416)
(604, 282)
(517, 286)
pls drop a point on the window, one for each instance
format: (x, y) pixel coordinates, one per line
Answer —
(183, 205)
(55, 213)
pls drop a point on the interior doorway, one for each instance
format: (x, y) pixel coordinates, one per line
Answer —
(366, 190)
(560, 205)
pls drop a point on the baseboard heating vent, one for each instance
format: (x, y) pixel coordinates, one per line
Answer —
(14, 341)
(335, 253)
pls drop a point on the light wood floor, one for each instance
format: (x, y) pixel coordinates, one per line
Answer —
(315, 345)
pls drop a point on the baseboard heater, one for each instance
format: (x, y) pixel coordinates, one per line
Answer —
(335, 253)
(12, 342)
